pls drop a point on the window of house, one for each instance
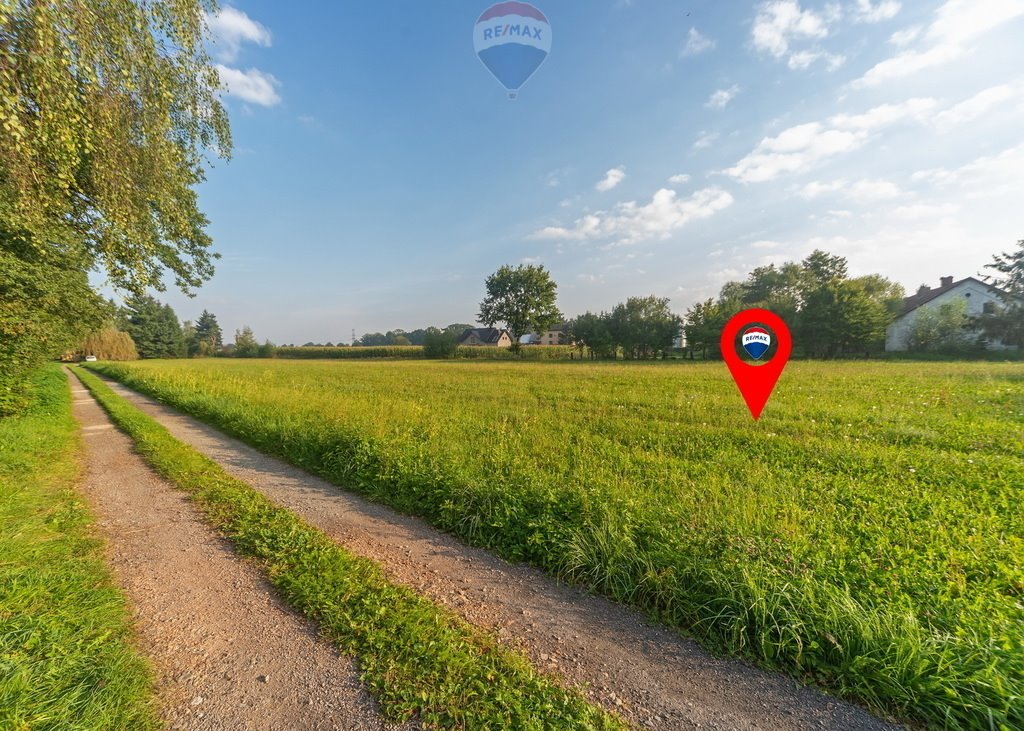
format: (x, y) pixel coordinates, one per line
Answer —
(989, 308)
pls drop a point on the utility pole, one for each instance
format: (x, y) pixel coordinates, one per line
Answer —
(353, 337)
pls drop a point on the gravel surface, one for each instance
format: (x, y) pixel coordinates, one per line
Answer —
(227, 654)
(649, 674)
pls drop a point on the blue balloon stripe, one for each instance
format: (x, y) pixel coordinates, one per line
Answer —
(512, 63)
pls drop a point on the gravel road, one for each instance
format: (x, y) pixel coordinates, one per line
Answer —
(227, 654)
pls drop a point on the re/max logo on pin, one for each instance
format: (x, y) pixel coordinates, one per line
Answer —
(512, 29)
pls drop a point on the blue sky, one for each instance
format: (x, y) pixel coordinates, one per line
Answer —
(380, 173)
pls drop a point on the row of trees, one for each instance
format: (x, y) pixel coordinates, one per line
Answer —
(403, 337)
(154, 331)
(829, 313)
(640, 327)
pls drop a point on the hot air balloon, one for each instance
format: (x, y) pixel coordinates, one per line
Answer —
(756, 342)
(512, 39)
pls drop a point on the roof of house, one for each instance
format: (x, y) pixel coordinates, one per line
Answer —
(483, 334)
(926, 295)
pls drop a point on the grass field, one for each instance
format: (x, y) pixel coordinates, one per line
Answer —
(66, 659)
(867, 533)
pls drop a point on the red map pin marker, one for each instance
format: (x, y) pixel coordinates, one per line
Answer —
(759, 328)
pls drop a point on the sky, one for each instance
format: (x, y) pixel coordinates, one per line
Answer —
(380, 172)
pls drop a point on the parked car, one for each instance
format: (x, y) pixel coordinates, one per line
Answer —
(90, 359)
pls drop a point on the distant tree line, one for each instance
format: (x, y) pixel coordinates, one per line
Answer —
(830, 313)
(402, 337)
(640, 327)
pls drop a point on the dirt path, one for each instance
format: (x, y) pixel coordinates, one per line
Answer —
(651, 675)
(227, 654)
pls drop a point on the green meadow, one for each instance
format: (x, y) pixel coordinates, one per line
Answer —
(866, 535)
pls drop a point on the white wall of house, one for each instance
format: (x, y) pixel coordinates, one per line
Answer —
(975, 293)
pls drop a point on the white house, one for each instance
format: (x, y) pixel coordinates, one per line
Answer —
(981, 299)
(557, 335)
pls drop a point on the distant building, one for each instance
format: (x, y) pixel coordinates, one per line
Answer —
(557, 335)
(981, 299)
(486, 336)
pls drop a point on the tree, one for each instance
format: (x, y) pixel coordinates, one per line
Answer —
(941, 329)
(267, 350)
(1006, 324)
(154, 328)
(46, 308)
(644, 327)
(591, 331)
(109, 344)
(440, 343)
(829, 313)
(207, 338)
(245, 343)
(522, 298)
(703, 325)
(108, 112)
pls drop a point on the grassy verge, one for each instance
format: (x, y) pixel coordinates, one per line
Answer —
(418, 660)
(866, 535)
(66, 660)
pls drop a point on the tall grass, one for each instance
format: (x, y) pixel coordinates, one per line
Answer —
(66, 659)
(866, 534)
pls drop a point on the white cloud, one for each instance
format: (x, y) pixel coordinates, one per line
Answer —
(957, 23)
(705, 140)
(799, 148)
(976, 106)
(231, 27)
(721, 98)
(906, 36)
(252, 86)
(696, 44)
(630, 223)
(611, 179)
(794, 150)
(869, 191)
(885, 115)
(780, 22)
(987, 175)
(765, 245)
(925, 210)
(804, 59)
(816, 188)
(587, 227)
(868, 12)
(679, 179)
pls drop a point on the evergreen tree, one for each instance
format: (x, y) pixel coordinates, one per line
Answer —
(207, 338)
(154, 328)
